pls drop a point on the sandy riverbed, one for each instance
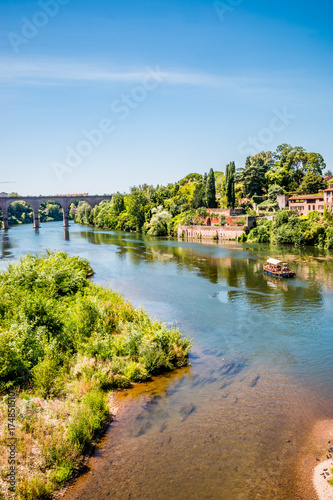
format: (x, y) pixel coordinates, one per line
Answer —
(321, 475)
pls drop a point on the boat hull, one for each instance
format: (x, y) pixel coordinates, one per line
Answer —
(277, 274)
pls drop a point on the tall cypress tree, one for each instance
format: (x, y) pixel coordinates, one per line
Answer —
(210, 190)
(230, 184)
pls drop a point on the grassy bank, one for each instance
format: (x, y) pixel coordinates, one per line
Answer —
(65, 344)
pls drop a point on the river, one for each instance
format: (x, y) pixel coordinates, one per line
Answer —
(234, 424)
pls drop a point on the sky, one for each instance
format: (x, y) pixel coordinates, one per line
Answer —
(100, 96)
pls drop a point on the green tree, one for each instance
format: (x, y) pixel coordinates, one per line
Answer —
(210, 190)
(199, 196)
(253, 175)
(312, 183)
(158, 225)
(230, 184)
(133, 217)
(273, 192)
(292, 164)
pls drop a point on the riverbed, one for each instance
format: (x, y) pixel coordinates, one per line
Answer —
(233, 424)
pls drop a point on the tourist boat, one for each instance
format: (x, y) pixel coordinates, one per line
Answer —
(278, 268)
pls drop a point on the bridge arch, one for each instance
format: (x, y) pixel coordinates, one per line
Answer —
(5, 203)
(35, 202)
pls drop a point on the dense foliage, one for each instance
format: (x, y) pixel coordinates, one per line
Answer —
(155, 211)
(289, 228)
(51, 313)
(64, 342)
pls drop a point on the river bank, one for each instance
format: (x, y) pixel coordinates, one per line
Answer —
(65, 343)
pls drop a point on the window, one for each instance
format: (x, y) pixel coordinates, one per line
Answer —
(309, 207)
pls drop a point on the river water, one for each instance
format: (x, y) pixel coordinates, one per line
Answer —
(234, 423)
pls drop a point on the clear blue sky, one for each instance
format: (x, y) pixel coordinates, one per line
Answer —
(229, 81)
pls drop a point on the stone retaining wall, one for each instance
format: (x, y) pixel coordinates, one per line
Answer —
(211, 232)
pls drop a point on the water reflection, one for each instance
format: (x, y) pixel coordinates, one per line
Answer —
(240, 275)
(5, 245)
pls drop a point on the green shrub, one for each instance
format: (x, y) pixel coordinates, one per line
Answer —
(88, 419)
(262, 233)
(14, 370)
(62, 473)
(136, 372)
(153, 359)
(36, 487)
(242, 238)
(45, 377)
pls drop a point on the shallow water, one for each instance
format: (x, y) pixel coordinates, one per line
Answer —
(231, 425)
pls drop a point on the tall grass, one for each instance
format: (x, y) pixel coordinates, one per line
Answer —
(64, 341)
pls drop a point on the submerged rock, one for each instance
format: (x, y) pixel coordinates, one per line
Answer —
(255, 381)
(186, 411)
(232, 367)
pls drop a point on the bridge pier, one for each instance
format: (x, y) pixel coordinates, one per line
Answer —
(5, 218)
(65, 211)
(36, 219)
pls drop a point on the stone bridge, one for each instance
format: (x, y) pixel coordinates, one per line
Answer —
(35, 202)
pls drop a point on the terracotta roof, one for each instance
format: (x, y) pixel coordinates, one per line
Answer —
(307, 197)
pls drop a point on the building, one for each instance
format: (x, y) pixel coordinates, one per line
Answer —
(328, 197)
(306, 203)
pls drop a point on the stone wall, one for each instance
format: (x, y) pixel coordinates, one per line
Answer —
(226, 211)
(210, 232)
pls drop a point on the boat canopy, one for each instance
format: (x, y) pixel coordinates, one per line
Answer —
(275, 262)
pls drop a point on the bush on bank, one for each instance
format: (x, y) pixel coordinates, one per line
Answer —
(288, 228)
(64, 342)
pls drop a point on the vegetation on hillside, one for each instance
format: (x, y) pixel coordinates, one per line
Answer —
(65, 342)
(154, 211)
(289, 228)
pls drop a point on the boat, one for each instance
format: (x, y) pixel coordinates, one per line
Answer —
(278, 268)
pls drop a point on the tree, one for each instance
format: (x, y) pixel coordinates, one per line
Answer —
(210, 190)
(273, 192)
(133, 217)
(292, 164)
(158, 225)
(199, 195)
(312, 183)
(230, 184)
(106, 214)
(253, 176)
